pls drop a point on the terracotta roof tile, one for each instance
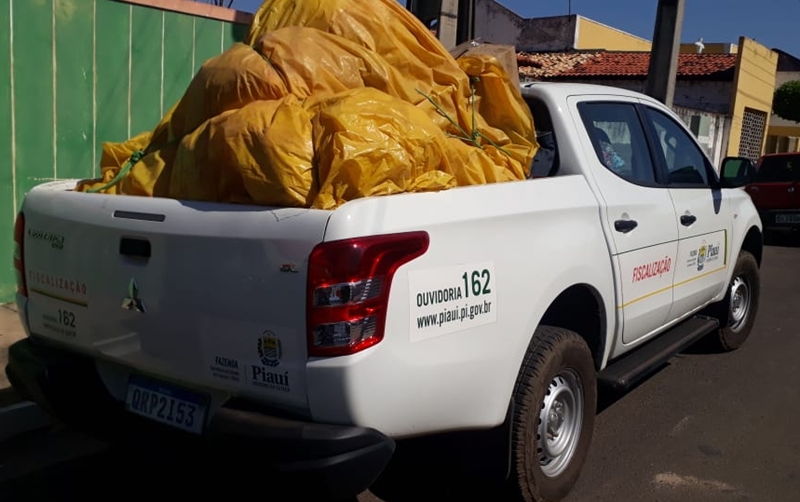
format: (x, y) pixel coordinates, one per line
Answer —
(618, 64)
(550, 64)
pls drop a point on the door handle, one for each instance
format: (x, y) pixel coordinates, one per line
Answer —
(625, 226)
(135, 248)
(688, 219)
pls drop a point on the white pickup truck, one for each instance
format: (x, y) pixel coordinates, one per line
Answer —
(319, 338)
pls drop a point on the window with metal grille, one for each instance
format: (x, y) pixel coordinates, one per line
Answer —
(754, 122)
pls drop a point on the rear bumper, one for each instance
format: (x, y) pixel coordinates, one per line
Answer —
(339, 461)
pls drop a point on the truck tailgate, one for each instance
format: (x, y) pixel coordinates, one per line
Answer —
(207, 294)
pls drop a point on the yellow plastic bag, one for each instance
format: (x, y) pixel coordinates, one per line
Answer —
(272, 69)
(112, 159)
(337, 65)
(357, 159)
(382, 26)
(226, 82)
(328, 101)
(387, 28)
(197, 175)
(260, 154)
(501, 104)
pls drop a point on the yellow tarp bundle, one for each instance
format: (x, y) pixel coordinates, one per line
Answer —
(327, 101)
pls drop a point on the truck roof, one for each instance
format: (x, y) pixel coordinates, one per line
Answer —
(562, 90)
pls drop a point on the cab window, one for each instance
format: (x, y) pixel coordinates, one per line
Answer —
(684, 161)
(619, 140)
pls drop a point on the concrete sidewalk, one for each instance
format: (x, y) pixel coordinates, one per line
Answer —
(10, 332)
(17, 416)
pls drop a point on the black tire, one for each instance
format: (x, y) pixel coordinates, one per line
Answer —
(553, 354)
(736, 324)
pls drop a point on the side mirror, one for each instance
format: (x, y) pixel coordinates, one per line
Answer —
(736, 172)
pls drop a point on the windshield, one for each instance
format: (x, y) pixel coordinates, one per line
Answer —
(784, 168)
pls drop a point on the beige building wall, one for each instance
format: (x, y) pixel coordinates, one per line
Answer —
(710, 48)
(499, 25)
(751, 104)
(590, 34)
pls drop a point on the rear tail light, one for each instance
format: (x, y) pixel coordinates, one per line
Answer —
(19, 254)
(348, 290)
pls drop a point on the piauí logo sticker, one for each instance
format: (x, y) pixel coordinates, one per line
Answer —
(269, 349)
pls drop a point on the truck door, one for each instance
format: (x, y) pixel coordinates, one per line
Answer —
(637, 212)
(704, 214)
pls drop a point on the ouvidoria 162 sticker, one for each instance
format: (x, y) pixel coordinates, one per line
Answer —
(449, 299)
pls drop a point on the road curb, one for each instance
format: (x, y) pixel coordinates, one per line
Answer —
(21, 418)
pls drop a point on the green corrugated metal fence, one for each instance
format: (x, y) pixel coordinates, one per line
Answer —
(76, 73)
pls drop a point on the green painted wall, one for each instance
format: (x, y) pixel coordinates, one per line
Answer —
(76, 73)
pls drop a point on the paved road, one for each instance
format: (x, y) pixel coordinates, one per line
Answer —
(711, 427)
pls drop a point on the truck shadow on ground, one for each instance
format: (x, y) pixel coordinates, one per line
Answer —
(455, 466)
(462, 465)
(443, 468)
(448, 467)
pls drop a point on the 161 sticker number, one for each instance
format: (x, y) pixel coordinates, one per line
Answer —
(450, 299)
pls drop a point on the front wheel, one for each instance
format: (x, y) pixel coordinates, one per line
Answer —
(737, 311)
(556, 401)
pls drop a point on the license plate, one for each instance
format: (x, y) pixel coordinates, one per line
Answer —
(787, 218)
(166, 404)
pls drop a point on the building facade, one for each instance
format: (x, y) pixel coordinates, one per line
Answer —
(733, 91)
(499, 25)
(702, 93)
(784, 135)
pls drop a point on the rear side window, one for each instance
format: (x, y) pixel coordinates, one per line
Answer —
(782, 168)
(619, 140)
(546, 160)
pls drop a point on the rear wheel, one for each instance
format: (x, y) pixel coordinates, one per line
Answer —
(737, 311)
(555, 404)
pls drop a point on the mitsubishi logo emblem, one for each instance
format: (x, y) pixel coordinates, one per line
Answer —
(132, 301)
